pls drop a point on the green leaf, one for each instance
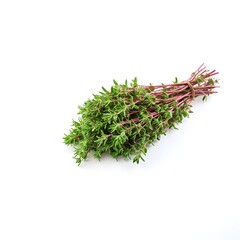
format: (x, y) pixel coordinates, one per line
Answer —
(115, 82)
(204, 98)
(105, 90)
(175, 80)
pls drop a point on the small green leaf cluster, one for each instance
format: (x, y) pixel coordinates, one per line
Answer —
(123, 121)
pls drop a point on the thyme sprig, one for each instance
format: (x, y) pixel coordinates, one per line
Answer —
(124, 120)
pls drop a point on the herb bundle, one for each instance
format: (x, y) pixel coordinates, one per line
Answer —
(122, 121)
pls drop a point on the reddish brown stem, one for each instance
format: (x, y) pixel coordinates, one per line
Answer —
(201, 84)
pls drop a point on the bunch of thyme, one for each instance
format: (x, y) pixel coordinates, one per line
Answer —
(122, 121)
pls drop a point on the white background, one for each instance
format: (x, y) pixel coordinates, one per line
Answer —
(53, 56)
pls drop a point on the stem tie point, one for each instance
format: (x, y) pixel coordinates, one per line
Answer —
(191, 88)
